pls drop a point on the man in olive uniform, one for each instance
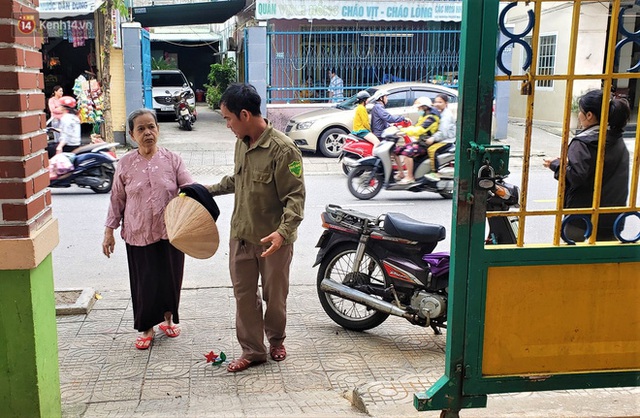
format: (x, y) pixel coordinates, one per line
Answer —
(268, 208)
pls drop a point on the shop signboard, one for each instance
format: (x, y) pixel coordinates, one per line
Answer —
(58, 9)
(372, 10)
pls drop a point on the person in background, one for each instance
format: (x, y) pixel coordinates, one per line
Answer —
(70, 133)
(361, 124)
(581, 164)
(269, 193)
(146, 179)
(56, 110)
(336, 93)
(446, 133)
(423, 131)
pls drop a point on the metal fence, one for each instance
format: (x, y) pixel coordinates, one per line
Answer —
(362, 57)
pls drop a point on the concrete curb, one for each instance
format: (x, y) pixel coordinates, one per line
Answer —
(81, 306)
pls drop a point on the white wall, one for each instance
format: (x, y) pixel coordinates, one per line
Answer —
(556, 19)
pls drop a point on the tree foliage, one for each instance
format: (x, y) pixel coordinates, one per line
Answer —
(220, 76)
(106, 42)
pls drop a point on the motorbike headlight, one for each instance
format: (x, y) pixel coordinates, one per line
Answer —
(304, 125)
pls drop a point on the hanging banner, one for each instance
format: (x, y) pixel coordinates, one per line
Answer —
(58, 9)
(417, 11)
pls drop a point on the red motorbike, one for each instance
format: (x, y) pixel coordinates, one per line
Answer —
(356, 148)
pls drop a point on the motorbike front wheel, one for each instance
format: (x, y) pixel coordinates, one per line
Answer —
(338, 266)
(365, 182)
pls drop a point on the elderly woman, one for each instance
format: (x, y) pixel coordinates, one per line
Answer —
(581, 164)
(146, 179)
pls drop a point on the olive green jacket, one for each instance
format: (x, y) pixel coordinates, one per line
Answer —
(269, 188)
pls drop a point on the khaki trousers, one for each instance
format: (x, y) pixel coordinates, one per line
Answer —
(246, 266)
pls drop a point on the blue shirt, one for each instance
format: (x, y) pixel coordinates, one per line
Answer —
(381, 119)
(335, 89)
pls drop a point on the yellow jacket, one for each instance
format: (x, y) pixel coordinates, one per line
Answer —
(426, 126)
(361, 119)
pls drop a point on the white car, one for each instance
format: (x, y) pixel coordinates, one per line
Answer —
(166, 84)
(321, 130)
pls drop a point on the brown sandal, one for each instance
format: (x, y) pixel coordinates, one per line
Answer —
(241, 364)
(278, 353)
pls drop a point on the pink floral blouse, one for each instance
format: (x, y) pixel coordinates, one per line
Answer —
(141, 190)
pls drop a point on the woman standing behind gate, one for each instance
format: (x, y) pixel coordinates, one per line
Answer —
(581, 165)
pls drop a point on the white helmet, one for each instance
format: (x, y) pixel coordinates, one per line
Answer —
(423, 101)
(379, 94)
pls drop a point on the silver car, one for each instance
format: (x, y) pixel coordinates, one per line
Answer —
(322, 129)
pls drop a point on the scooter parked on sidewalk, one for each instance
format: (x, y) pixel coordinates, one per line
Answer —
(370, 175)
(375, 266)
(185, 115)
(91, 166)
(356, 148)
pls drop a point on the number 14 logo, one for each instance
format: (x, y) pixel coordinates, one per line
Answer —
(26, 24)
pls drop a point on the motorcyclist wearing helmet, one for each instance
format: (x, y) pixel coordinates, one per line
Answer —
(423, 131)
(381, 119)
(70, 138)
(361, 124)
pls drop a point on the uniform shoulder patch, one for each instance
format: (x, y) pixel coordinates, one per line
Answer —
(295, 167)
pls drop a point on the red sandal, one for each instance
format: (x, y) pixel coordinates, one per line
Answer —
(278, 353)
(241, 364)
(143, 343)
(170, 331)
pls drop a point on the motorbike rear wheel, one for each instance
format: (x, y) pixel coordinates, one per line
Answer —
(106, 175)
(365, 182)
(338, 266)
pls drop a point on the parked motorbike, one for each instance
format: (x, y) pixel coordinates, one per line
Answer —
(356, 148)
(93, 167)
(370, 175)
(375, 266)
(185, 115)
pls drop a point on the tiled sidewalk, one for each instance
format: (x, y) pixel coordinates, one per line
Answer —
(328, 371)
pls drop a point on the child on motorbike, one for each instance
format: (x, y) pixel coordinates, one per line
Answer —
(426, 126)
(361, 125)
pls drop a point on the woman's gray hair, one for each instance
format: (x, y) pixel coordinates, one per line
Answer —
(139, 112)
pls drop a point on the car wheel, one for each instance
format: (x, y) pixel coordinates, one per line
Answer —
(331, 142)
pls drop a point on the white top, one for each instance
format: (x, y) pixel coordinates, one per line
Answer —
(70, 130)
(446, 128)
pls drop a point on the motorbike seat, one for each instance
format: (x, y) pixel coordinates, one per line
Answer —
(402, 226)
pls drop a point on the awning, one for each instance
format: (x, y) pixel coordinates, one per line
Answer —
(59, 9)
(185, 37)
(187, 14)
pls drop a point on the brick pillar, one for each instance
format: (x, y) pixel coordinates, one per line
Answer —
(29, 376)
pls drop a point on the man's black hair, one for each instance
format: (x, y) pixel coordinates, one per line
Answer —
(238, 97)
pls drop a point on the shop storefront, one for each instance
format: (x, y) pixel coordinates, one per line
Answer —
(69, 44)
(366, 43)
(68, 51)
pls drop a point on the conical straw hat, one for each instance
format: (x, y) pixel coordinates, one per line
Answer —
(191, 228)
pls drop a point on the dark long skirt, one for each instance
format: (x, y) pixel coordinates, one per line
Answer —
(155, 276)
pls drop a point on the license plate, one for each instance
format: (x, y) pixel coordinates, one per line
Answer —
(166, 108)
